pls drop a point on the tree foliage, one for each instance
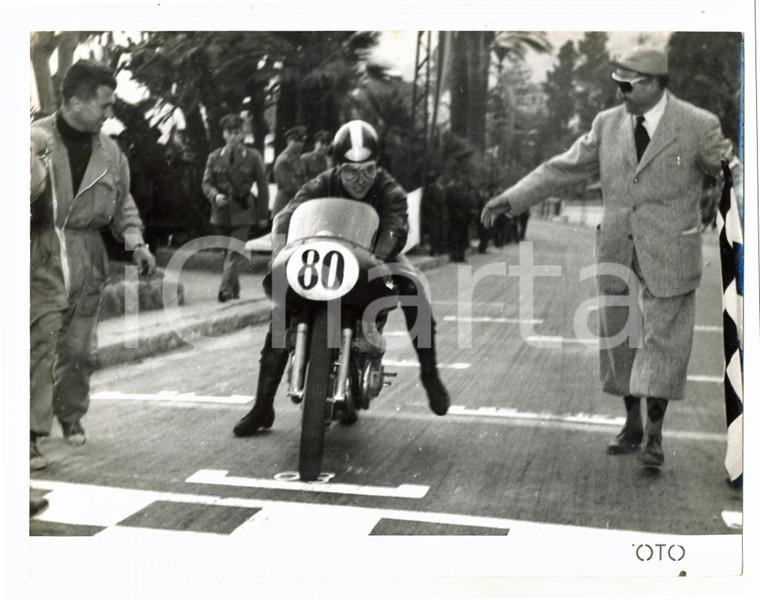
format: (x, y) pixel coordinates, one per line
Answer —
(470, 72)
(706, 69)
(556, 130)
(594, 90)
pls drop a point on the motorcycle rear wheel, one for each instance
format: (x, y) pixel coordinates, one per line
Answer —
(315, 400)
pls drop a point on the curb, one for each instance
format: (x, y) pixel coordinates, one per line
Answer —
(221, 321)
(212, 261)
(218, 322)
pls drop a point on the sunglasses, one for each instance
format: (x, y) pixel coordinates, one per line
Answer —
(354, 172)
(627, 86)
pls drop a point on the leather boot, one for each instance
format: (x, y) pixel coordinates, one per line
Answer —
(438, 397)
(271, 367)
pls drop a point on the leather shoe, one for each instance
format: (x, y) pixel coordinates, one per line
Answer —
(625, 442)
(651, 454)
(73, 433)
(37, 461)
(438, 397)
(253, 421)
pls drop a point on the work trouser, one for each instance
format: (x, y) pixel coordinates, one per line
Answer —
(43, 340)
(234, 262)
(77, 354)
(652, 362)
(47, 301)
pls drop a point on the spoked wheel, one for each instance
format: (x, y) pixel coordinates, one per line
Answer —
(315, 400)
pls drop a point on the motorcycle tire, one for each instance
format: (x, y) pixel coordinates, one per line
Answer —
(315, 400)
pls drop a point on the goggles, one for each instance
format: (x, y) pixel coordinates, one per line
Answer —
(354, 172)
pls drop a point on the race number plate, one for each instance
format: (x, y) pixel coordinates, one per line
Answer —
(322, 270)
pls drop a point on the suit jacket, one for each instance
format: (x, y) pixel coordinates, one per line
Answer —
(651, 206)
(235, 180)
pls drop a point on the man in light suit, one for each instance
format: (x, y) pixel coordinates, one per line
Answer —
(231, 172)
(651, 154)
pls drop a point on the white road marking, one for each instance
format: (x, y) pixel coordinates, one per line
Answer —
(79, 504)
(599, 423)
(558, 340)
(215, 477)
(491, 320)
(416, 364)
(167, 396)
(733, 519)
(705, 378)
(476, 304)
(513, 413)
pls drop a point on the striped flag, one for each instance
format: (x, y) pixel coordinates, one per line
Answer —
(732, 269)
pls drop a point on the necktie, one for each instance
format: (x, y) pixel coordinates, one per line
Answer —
(641, 136)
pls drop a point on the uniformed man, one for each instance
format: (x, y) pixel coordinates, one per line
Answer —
(289, 170)
(231, 172)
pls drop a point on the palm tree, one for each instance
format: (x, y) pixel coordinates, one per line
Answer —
(319, 71)
(469, 71)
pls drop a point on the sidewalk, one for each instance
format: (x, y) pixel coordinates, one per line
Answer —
(128, 338)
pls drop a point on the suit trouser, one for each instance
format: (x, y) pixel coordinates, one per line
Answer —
(233, 261)
(661, 331)
(43, 339)
(77, 353)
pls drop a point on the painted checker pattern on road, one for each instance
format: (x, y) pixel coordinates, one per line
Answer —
(70, 514)
(187, 516)
(402, 527)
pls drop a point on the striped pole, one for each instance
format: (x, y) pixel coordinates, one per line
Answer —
(732, 269)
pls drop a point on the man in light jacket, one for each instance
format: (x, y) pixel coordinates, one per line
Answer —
(651, 154)
(90, 179)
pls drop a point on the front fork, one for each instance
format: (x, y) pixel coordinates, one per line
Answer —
(298, 365)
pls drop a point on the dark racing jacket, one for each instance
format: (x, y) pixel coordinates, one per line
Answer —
(386, 196)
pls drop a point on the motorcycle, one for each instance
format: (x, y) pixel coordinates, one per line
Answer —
(337, 297)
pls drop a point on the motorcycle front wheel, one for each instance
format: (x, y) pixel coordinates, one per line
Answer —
(315, 400)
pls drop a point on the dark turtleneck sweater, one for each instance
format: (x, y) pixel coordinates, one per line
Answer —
(79, 145)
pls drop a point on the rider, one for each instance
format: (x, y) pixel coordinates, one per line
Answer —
(357, 176)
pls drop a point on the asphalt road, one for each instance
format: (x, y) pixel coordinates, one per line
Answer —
(522, 449)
